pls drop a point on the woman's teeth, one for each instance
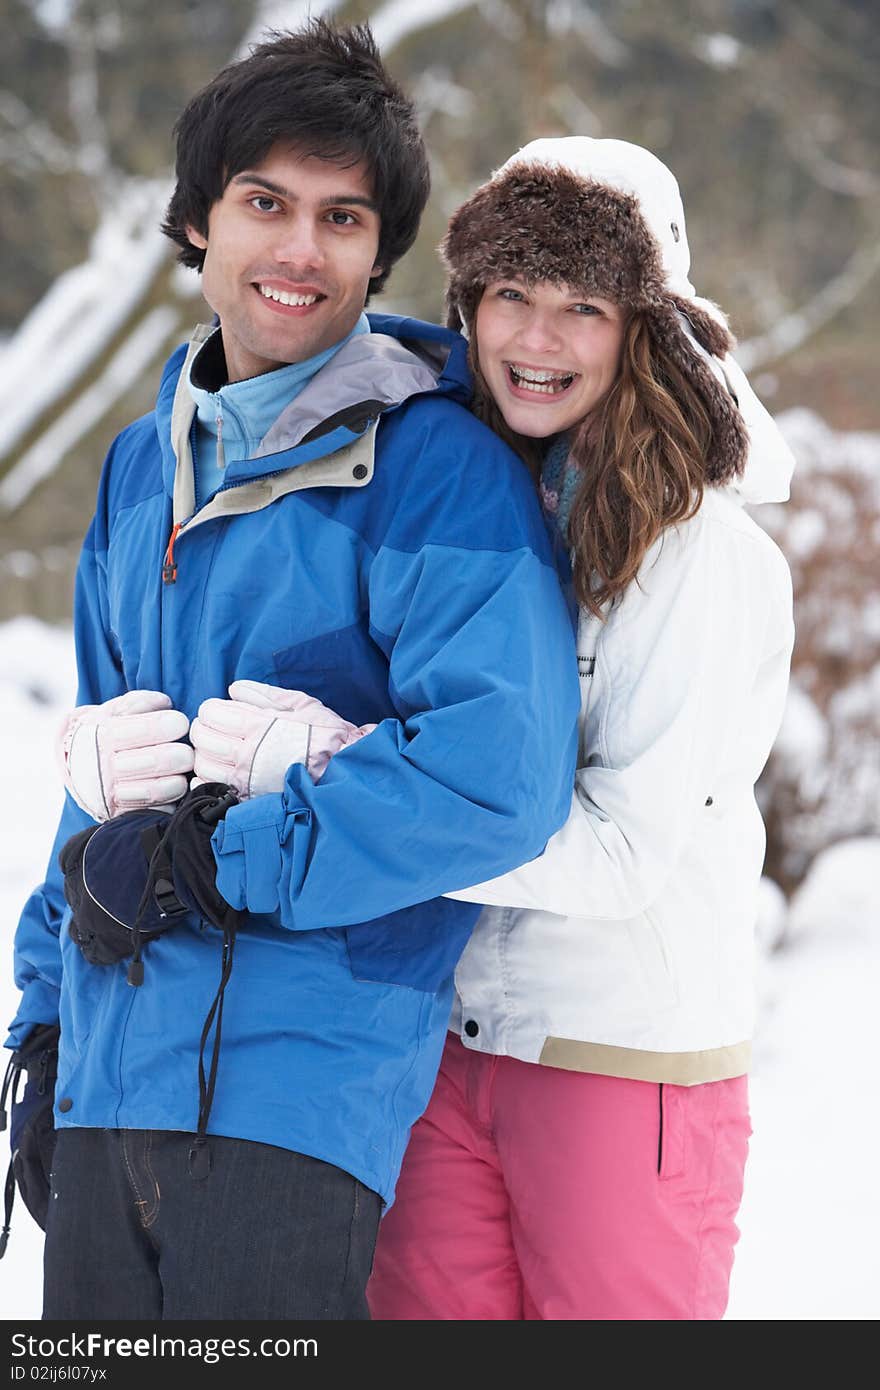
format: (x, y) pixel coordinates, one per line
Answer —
(282, 297)
(543, 383)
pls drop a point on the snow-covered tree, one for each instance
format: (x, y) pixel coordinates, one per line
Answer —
(822, 783)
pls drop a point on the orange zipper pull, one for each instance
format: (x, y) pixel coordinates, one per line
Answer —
(169, 568)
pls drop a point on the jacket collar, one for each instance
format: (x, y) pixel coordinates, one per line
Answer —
(371, 374)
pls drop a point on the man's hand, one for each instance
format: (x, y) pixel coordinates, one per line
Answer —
(250, 740)
(123, 755)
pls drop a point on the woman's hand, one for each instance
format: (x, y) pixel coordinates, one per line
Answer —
(250, 740)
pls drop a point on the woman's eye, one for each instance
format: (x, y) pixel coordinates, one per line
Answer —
(586, 309)
(514, 295)
(263, 203)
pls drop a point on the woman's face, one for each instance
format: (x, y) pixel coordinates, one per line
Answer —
(548, 354)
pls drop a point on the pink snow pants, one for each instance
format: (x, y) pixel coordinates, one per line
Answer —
(528, 1192)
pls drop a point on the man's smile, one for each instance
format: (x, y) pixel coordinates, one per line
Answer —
(286, 299)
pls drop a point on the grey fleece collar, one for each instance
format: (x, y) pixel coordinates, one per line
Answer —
(372, 367)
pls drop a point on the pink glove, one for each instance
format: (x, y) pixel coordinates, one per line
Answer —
(122, 755)
(250, 740)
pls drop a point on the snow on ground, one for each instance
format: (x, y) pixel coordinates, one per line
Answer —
(810, 1219)
(37, 683)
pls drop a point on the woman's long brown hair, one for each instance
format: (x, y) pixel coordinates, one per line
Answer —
(642, 456)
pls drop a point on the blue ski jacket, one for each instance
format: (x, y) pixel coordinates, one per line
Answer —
(385, 552)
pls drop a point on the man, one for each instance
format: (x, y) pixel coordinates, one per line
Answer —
(309, 508)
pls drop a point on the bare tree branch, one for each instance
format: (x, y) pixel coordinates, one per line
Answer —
(34, 145)
(796, 328)
(839, 178)
(819, 42)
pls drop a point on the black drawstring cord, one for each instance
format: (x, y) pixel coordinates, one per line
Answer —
(200, 1154)
(8, 1202)
(10, 1084)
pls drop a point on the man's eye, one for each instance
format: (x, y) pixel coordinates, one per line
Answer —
(514, 295)
(263, 203)
(342, 219)
(587, 309)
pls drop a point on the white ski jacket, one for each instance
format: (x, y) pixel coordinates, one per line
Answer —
(628, 947)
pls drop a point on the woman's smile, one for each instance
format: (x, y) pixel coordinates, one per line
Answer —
(538, 381)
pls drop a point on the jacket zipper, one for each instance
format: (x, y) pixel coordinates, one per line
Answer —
(587, 672)
(221, 457)
(169, 565)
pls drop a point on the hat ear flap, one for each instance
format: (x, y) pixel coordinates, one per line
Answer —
(692, 356)
(461, 304)
(453, 316)
(708, 325)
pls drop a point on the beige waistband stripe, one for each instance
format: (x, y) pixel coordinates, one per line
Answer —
(675, 1068)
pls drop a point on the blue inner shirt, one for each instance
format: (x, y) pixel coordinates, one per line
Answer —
(231, 422)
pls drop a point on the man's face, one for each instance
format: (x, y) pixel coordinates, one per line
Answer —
(290, 251)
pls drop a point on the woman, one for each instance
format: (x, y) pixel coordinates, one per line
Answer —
(582, 1156)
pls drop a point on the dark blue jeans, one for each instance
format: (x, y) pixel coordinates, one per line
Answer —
(267, 1234)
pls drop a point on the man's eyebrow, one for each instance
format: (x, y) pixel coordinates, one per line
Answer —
(349, 199)
(352, 200)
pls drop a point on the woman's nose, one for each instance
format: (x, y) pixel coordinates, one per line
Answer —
(538, 333)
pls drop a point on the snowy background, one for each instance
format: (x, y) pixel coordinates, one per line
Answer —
(810, 1220)
(784, 99)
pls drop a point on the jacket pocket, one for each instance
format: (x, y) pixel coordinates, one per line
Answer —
(418, 947)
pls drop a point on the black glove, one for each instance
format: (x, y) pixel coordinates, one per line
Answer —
(139, 874)
(186, 851)
(106, 872)
(32, 1126)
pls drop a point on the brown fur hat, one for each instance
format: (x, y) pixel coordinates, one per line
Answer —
(547, 218)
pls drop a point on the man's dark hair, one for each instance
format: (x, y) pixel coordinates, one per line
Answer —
(323, 91)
